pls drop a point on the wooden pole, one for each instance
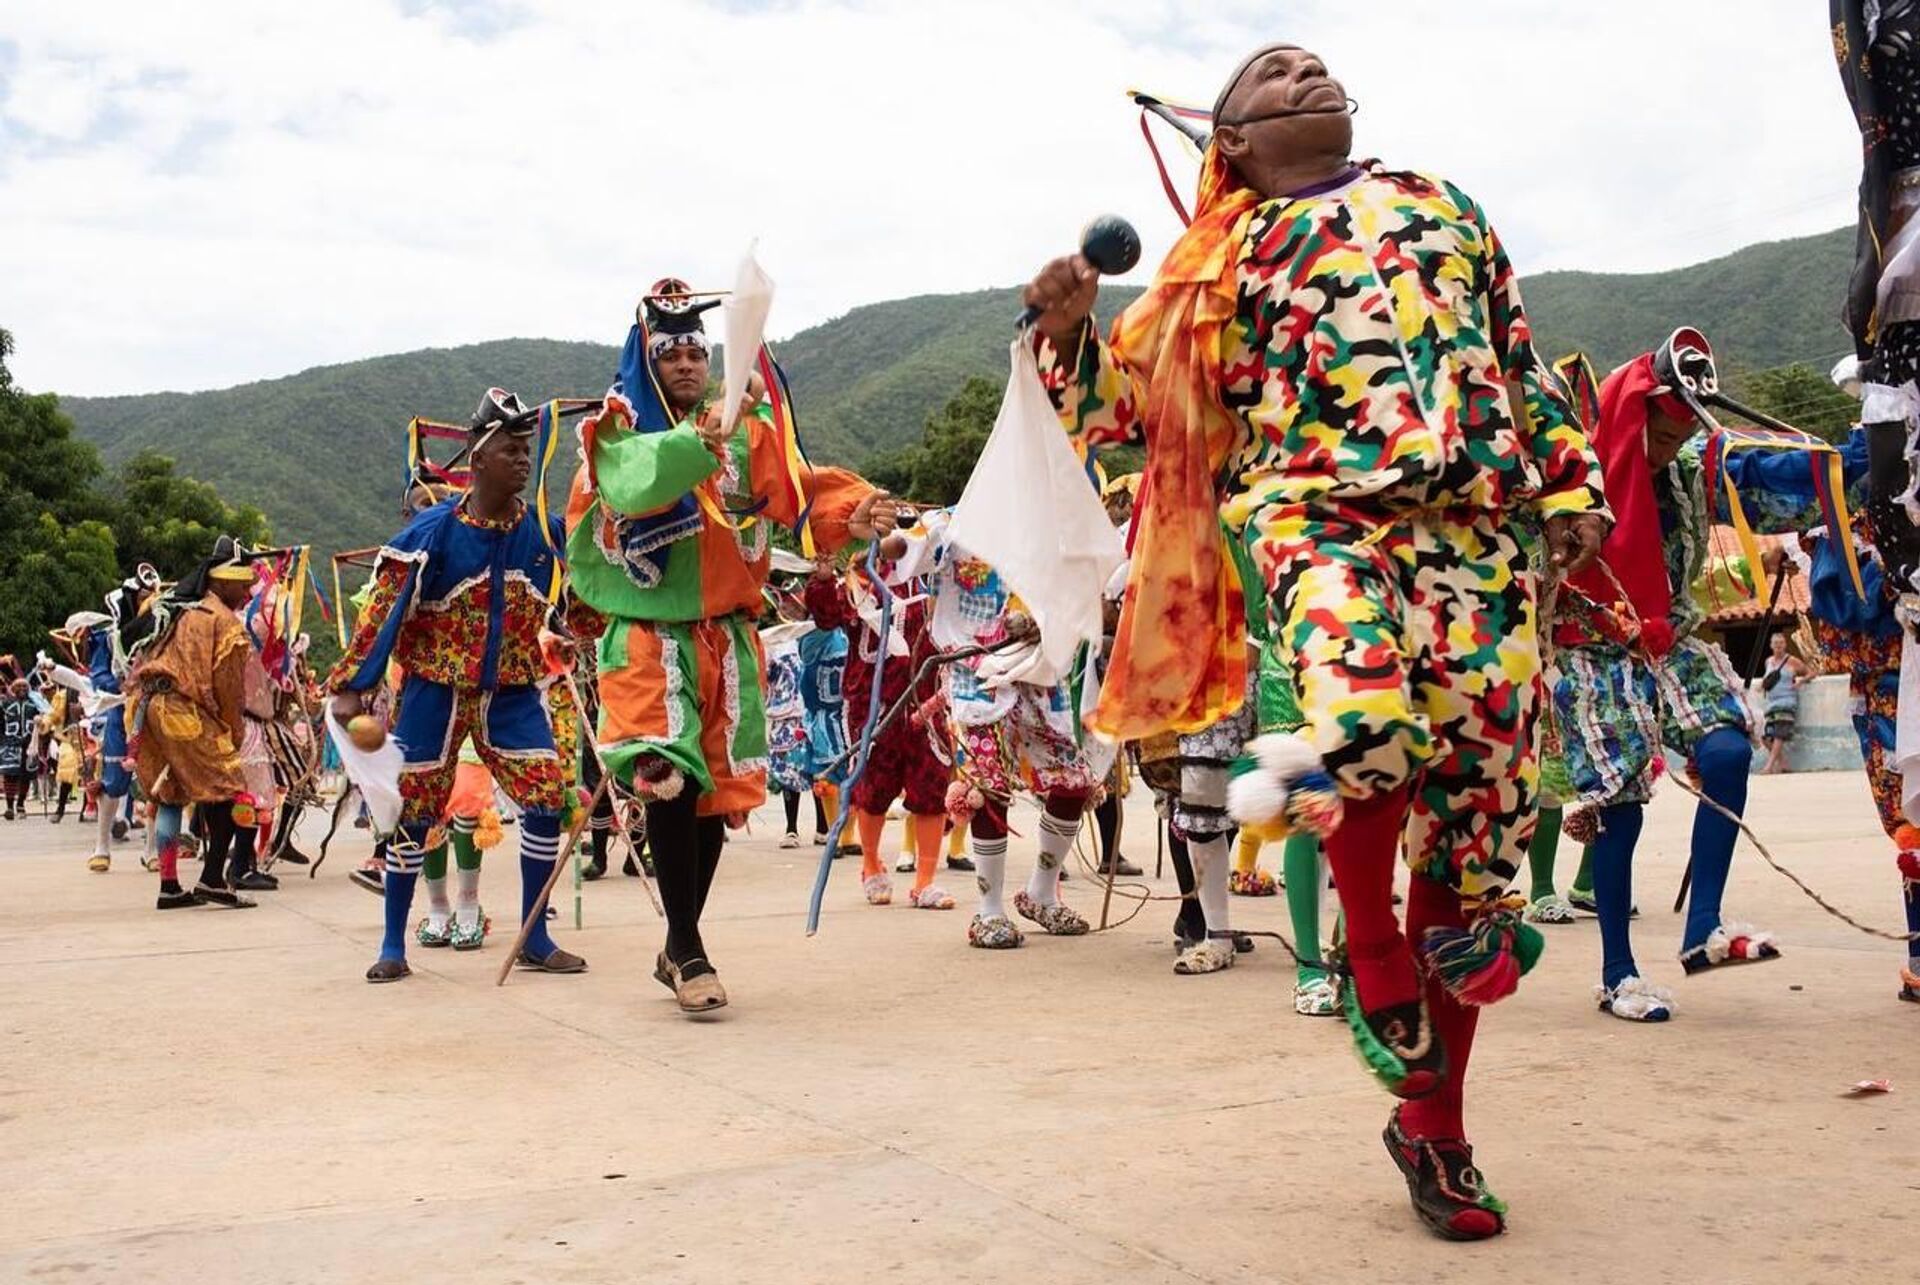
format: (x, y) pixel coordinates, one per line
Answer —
(539, 907)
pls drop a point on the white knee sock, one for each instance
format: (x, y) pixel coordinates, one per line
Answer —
(103, 827)
(990, 859)
(1056, 840)
(1211, 864)
(438, 908)
(466, 896)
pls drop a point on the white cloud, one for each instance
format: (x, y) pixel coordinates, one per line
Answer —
(197, 195)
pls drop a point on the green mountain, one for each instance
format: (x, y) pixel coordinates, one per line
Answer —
(322, 451)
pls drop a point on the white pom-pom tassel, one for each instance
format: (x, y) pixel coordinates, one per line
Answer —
(1284, 755)
(1257, 798)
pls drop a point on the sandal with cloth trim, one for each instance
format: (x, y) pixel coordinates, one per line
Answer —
(427, 935)
(1636, 1000)
(1550, 909)
(878, 889)
(388, 970)
(470, 936)
(1445, 1187)
(994, 932)
(931, 897)
(1317, 998)
(1252, 883)
(1730, 943)
(1057, 920)
(1214, 955)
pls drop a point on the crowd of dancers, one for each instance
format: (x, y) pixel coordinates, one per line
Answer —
(1398, 590)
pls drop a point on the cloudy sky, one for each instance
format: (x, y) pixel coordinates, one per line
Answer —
(202, 194)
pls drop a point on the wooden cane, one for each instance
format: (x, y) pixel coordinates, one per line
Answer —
(539, 907)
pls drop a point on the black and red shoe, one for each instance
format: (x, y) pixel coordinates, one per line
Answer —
(1444, 1185)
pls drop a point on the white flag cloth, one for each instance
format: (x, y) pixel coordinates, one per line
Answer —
(376, 774)
(746, 308)
(1030, 512)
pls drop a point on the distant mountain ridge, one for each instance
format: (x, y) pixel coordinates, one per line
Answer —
(322, 451)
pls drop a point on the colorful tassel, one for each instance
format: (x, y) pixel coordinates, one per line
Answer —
(1909, 862)
(487, 831)
(1581, 824)
(1484, 963)
(963, 800)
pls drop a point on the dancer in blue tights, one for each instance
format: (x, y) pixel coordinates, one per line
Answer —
(1629, 695)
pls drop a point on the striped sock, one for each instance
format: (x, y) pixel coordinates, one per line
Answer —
(1056, 840)
(539, 849)
(990, 858)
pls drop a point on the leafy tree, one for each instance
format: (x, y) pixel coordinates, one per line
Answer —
(952, 440)
(172, 521)
(1802, 396)
(56, 554)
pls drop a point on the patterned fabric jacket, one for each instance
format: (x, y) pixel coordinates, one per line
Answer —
(1336, 404)
(457, 600)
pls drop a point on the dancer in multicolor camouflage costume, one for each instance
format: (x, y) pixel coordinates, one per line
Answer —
(1334, 359)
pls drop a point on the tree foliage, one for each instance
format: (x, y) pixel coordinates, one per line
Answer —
(1801, 396)
(68, 534)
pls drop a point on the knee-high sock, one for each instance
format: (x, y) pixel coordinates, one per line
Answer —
(1056, 839)
(1190, 921)
(103, 827)
(433, 872)
(1911, 889)
(1725, 760)
(1106, 820)
(1246, 855)
(240, 858)
(870, 825)
(539, 849)
(1363, 853)
(1439, 1115)
(826, 805)
(404, 859)
(600, 829)
(956, 840)
(676, 864)
(1613, 888)
(790, 799)
(1541, 851)
(166, 842)
(217, 818)
(990, 859)
(821, 821)
(466, 865)
(1583, 878)
(712, 835)
(1306, 879)
(1211, 863)
(925, 828)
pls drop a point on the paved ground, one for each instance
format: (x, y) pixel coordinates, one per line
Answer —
(213, 1096)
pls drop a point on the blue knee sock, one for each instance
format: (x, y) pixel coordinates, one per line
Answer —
(1724, 758)
(396, 890)
(1613, 888)
(539, 849)
(1911, 887)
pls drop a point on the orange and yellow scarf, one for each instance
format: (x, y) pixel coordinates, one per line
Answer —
(1179, 655)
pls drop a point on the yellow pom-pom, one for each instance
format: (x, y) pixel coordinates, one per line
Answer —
(487, 832)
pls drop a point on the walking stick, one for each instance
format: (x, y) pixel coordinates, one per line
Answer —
(1753, 663)
(539, 906)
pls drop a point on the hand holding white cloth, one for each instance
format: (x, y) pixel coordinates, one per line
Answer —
(1030, 512)
(376, 773)
(746, 325)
